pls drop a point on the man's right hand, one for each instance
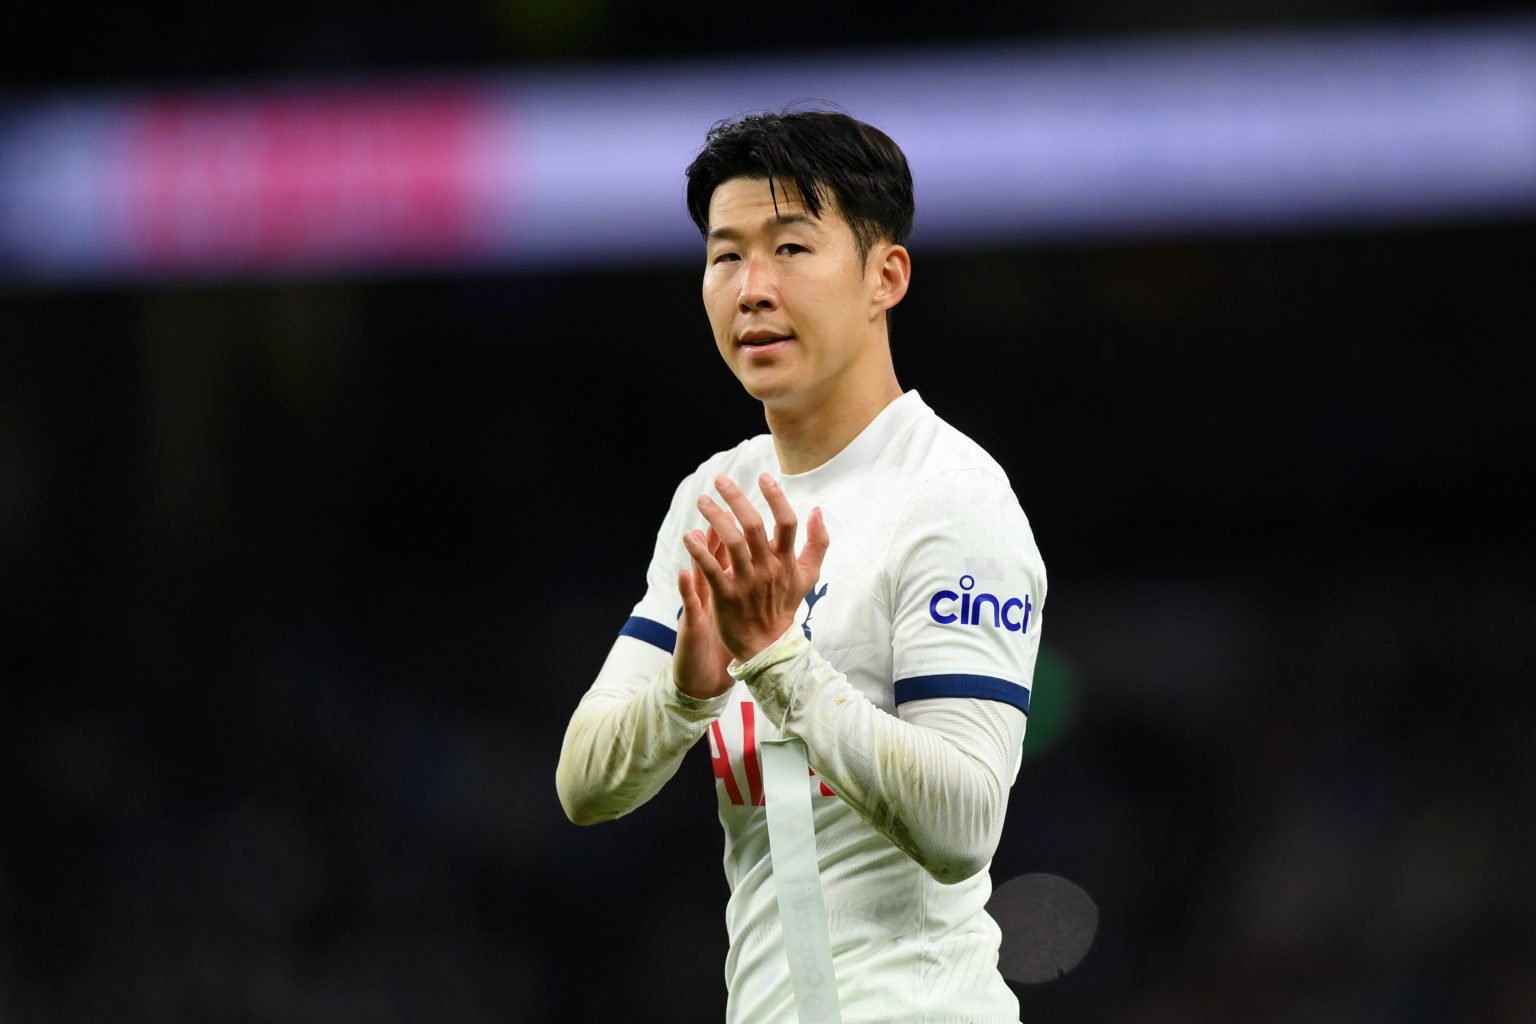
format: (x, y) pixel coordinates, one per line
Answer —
(700, 659)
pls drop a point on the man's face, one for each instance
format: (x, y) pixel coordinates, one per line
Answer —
(788, 298)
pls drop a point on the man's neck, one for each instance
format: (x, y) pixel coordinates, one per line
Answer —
(808, 438)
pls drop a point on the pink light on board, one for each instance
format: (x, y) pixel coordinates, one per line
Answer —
(357, 176)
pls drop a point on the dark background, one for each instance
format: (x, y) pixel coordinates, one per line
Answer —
(301, 579)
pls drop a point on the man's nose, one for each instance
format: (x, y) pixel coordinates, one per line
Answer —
(758, 288)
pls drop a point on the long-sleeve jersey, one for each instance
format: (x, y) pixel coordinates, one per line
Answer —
(906, 675)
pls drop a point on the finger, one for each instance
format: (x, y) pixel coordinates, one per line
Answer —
(692, 610)
(784, 521)
(725, 526)
(751, 523)
(698, 610)
(706, 597)
(817, 540)
(705, 562)
(717, 548)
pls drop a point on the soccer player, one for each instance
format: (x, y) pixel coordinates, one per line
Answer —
(891, 651)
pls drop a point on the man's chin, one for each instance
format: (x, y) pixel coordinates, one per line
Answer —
(768, 388)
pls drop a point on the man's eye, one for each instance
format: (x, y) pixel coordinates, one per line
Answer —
(726, 257)
(790, 248)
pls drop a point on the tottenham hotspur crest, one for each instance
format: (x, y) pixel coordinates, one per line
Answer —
(811, 597)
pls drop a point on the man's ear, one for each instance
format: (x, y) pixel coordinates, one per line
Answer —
(893, 267)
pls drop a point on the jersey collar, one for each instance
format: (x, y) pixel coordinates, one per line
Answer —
(863, 450)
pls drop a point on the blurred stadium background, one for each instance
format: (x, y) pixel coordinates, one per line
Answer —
(349, 355)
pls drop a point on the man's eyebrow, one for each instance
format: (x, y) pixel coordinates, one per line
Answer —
(779, 220)
(797, 218)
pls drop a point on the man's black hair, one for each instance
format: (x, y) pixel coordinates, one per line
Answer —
(826, 155)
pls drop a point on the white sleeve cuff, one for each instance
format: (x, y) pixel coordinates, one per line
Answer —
(773, 673)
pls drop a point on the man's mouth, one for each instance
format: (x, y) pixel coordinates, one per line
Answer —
(764, 339)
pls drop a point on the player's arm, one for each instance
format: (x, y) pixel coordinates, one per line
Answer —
(934, 781)
(628, 733)
(655, 695)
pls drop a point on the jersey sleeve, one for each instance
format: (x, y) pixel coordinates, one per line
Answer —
(628, 734)
(654, 618)
(631, 728)
(967, 588)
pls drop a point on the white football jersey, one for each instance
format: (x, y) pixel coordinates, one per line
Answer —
(930, 595)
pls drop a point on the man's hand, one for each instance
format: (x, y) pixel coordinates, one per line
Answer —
(699, 660)
(758, 584)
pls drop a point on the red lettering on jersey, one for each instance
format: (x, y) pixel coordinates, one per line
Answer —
(749, 743)
(722, 764)
(720, 760)
(824, 790)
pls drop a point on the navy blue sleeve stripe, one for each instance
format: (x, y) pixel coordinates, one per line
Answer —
(653, 633)
(958, 685)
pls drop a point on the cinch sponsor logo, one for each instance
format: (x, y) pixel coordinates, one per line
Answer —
(1011, 614)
